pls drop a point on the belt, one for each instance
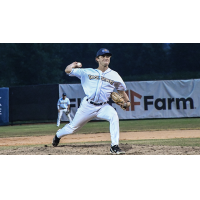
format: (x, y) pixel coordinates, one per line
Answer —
(96, 104)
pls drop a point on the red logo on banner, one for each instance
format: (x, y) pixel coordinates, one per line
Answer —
(133, 101)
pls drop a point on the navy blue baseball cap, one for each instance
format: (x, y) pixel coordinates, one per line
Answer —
(103, 51)
(64, 94)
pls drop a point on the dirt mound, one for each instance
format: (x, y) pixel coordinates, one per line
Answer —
(102, 149)
(99, 148)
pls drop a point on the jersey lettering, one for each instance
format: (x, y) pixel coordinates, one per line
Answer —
(102, 78)
(93, 77)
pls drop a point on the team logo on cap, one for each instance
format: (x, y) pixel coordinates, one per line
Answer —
(105, 50)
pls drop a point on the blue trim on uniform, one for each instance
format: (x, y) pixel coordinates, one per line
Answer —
(97, 83)
(107, 71)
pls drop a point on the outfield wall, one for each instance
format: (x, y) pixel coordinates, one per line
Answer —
(34, 102)
(149, 99)
(4, 106)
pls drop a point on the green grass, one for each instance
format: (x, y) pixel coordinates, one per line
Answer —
(103, 126)
(160, 124)
(28, 130)
(167, 142)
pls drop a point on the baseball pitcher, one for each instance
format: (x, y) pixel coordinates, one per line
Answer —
(98, 85)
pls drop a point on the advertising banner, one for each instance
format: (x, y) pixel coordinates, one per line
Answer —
(150, 99)
(75, 94)
(4, 106)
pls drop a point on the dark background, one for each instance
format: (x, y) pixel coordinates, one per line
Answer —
(33, 103)
(44, 63)
(32, 71)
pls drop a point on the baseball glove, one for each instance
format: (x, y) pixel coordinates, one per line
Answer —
(119, 100)
(67, 112)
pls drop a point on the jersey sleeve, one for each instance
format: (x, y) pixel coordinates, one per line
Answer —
(76, 72)
(119, 84)
(68, 102)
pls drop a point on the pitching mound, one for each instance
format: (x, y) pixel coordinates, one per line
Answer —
(101, 149)
(97, 148)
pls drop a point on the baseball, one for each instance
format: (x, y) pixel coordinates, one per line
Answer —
(79, 64)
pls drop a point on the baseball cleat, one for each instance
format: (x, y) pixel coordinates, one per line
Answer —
(116, 150)
(56, 141)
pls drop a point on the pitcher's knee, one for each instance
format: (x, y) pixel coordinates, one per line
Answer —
(66, 130)
(114, 117)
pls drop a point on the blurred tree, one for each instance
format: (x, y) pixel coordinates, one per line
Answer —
(7, 75)
(28, 64)
(185, 56)
(44, 63)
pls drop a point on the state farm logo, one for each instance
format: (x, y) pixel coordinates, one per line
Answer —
(159, 103)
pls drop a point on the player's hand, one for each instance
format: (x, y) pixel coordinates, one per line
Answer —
(76, 65)
(69, 68)
(128, 104)
(58, 111)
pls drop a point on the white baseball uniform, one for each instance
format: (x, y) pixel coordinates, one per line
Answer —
(97, 86)
(62, 105)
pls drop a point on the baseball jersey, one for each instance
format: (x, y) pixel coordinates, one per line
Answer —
(98, 85)
(63, 103)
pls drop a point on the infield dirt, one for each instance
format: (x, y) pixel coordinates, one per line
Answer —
(75, 144)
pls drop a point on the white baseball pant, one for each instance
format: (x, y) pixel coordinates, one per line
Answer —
(60, 115)
(87, 112)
